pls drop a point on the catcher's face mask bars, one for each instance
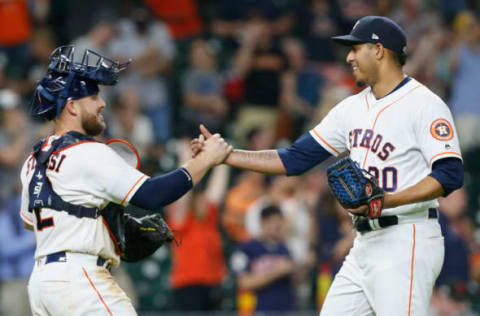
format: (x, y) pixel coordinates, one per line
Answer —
(92, 65)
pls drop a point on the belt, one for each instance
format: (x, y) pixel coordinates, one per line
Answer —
(61, 256)
(367, 225)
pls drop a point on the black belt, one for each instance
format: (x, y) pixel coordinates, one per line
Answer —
(61, 256)
(363, 225)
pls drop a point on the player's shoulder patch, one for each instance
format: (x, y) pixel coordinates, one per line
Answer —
(441, 129)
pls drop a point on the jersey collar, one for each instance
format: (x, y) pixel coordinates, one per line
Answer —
(398, 87)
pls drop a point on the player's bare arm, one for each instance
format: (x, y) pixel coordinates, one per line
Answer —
(266, 161)
(427, 189)
(255, 281)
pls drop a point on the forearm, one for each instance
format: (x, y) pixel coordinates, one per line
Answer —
(255, 282)
(197, 168)
(264, 161)
(427, 189)
(243, 60)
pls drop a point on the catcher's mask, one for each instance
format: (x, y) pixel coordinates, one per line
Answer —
(69, 79)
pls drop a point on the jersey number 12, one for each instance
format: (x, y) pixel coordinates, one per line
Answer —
(42, 223)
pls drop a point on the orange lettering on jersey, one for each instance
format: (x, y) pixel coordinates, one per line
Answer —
(441, 129)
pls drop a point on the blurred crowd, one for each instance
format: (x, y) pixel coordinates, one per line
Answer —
(261, 72)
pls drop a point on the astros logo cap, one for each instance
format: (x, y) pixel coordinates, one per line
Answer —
(376, 29)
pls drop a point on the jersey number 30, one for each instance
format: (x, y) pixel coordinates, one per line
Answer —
(389, 177)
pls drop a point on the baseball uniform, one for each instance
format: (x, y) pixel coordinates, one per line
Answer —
(391, 270)
(70, 275)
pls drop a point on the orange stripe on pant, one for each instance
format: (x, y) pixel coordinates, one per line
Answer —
(411, 273)
(98, 293)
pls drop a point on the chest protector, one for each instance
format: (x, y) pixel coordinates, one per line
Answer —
(41, 193)
(134, 238)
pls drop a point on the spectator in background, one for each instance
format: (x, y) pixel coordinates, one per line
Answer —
(334, 239)
(264, 265)
(127, 121)
(232, 15)
(261, 64)
(202, 86)
(456, 267)
(14, 141)
(15, 31)
(424, 61)
(465, 66)
(42, 44)
(181, 16)
(198, 266)
(152, 49)
(451, 300)
(248, 188)
(451, 293)
(17, 247)
(317, 22)
(282, 192)
(99, 34)
(301, 88)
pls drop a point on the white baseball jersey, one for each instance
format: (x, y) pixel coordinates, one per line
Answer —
(397, 138)
(86, 173)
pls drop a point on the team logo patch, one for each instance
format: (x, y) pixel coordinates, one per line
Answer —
(441, 129)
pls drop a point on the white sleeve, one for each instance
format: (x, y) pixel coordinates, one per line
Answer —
(330, 133)
(26, 216)
(103, 172)
(435, 130)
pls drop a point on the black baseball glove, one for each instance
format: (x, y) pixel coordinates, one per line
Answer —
(354, 187)
(143, 236)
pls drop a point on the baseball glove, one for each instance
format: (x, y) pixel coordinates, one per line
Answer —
(143, 236)
(354, 187)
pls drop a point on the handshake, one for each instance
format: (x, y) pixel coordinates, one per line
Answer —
(207, 151)
(212, 149)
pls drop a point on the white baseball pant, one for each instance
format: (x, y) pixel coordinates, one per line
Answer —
(76, 286)
(389, 272)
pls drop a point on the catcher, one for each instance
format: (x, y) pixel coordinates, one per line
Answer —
(75, 188)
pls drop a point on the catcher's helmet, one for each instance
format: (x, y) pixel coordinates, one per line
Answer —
(70, 79)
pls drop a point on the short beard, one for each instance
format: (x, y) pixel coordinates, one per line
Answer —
(91, 125)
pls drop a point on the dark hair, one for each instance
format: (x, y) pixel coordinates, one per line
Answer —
(270, 211)
(401, 58)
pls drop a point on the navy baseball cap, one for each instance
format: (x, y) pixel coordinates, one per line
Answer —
(376, 29)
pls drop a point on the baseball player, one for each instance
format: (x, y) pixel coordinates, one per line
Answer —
(75, 247)
(402, 133)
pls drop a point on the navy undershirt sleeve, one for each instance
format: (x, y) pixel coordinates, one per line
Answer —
(304, 154)
(449, 172)
(162, 190)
